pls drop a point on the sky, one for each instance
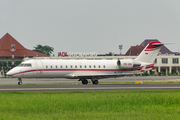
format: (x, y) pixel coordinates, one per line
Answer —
(90, 25)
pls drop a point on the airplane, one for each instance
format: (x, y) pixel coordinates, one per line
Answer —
(87, 69)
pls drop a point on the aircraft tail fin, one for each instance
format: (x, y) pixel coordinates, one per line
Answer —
(150, 52)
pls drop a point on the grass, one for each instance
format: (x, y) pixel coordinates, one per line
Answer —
(100, 105)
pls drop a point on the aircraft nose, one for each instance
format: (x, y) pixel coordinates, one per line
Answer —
(9, 73)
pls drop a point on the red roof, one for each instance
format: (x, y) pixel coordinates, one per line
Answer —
(5, 46)
(134, 50)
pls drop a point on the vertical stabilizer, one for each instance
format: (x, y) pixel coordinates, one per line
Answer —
(150, 52)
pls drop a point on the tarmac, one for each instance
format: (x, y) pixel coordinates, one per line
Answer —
(10, 84)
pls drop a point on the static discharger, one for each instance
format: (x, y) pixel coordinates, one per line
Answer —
(139, 82)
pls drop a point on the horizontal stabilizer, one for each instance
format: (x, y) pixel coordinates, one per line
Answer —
(159, 44)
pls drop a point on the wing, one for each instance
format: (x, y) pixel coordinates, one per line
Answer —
(103, 75)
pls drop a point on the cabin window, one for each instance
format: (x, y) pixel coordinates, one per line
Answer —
(51, 66)
(80, 66)
(85, 66)
(89, 66)
(104, 66)
(94, 66)
(56, 66)
(66, 66)
(61, 66)
(99, 66)
(46, 66)
(71, 66)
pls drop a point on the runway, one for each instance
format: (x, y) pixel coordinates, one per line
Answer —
(10, 84)
(89, 87)
(14, 81)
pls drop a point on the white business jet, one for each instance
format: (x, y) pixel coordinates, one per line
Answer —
(87, 69)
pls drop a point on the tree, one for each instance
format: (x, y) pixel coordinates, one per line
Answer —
(107, 54)
(5, 66)
(44, 49)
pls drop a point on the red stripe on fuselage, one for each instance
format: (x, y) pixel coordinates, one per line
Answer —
(107, 70)
(23, 72)
(150, 66)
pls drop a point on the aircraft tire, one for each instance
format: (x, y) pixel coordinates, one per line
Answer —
(95, 82)
(19, 83)
(84, 82)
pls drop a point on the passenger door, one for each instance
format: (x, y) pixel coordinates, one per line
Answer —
(39, 65)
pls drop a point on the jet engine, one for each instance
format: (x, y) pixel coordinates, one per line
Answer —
(127, 64)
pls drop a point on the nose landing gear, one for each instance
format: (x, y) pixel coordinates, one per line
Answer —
(19, 81)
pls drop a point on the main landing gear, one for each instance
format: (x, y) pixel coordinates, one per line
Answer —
(95, 82)
(19, 81)
(85, 81)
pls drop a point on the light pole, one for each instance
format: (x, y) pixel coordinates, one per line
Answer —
(120, 48)
(13, 50)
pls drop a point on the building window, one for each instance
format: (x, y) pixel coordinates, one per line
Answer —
(175, 60)
(155, 61)
(165, 60)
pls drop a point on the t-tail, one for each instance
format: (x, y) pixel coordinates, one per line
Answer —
(150, 52)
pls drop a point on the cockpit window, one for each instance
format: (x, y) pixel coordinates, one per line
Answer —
(27, 65)
(24, 65)
(20, 65)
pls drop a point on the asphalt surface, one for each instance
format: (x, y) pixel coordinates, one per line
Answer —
(10, 84)
(63, 80)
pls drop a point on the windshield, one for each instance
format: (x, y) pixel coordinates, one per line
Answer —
(24, 65)
(21, 65)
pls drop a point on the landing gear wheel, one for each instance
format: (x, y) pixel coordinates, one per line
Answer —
(95, 82)
(84, 81)
(19, 81)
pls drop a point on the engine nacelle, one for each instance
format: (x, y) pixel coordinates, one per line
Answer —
(127, 64)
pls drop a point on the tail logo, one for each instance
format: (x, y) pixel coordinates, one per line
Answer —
(153, 46)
